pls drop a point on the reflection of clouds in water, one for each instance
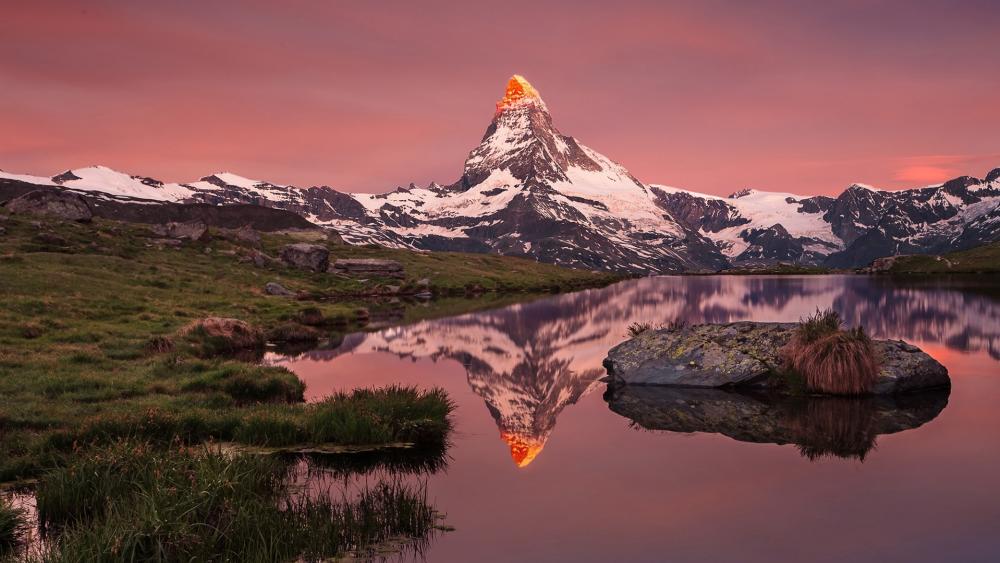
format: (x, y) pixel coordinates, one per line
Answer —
(529, 361)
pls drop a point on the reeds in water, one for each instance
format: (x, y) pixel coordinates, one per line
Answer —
(136, 502)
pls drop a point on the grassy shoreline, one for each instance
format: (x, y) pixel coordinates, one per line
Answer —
(97, 352)
(980, 260)
(90, 314)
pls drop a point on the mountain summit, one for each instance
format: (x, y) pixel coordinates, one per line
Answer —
(519, 92)
(522, 140)
(528, 190)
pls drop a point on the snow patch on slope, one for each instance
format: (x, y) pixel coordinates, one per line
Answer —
(106, 180)
(40, 180)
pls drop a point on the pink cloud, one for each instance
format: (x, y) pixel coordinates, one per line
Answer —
(924, 174)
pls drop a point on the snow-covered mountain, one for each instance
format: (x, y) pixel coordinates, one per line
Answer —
(529, 190)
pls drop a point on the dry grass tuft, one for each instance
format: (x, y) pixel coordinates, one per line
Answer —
(830, 359)
(637, 328)
(159, 345)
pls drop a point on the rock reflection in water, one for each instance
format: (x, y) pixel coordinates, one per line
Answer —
(844, 427)
(530, 361)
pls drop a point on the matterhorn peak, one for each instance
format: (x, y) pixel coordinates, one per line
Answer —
(519, 92)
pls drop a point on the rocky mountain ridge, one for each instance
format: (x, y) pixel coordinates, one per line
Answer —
(529, 190)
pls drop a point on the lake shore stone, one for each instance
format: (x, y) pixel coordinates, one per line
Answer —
(275, 288)
(368, 267)
(747, 355)
(305, 256)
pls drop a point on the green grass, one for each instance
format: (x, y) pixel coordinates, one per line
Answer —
(89, 333)
(982, 259)
(363, 417)
(12, 528)
(134, 502)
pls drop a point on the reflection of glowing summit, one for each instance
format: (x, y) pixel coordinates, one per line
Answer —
(519, 90)
(522, 449)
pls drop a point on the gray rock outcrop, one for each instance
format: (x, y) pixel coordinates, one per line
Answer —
(275, 288)
(368, 267)
(305, 256)
(747, 355)
(246, 235)
(58, 204)
(188, 230)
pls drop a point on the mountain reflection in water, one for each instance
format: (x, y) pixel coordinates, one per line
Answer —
(597, 487)
(530, 361)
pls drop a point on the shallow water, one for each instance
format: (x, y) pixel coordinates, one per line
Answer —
(542, 469)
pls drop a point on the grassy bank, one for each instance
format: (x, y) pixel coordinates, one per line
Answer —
(982, 259)
(89, 345)
(130, 501)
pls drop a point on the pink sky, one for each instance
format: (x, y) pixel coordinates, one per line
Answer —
(363, 96)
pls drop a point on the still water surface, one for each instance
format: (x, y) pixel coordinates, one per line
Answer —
(542, 469)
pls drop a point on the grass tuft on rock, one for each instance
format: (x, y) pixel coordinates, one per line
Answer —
(830, 359)
(637, 328)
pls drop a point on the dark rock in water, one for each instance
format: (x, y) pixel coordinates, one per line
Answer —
(190, 230)
(274, 288)
(838, 426)
(368, 267)
(747, 355)
(59, 204)
(311, 316)
(305, 256)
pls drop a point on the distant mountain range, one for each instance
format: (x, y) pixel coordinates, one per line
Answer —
(529, 190)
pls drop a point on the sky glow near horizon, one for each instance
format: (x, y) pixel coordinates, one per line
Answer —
(803, 97)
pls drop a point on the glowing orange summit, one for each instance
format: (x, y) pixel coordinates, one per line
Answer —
(522, 450)
(518, 89)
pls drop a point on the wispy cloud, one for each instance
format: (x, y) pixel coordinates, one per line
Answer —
(925, 174)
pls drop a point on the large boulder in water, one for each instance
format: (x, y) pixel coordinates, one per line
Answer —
(59, 204)
(747, 355)
(304, 256)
